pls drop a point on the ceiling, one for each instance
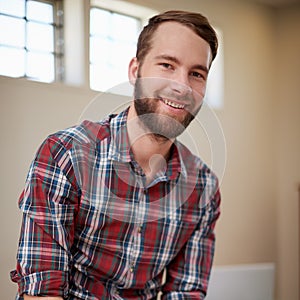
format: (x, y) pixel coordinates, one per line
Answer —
(277, 3)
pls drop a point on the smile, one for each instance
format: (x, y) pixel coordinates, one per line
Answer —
(172, 104)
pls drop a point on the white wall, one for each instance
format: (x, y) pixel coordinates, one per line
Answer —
(246, 282)
(260, 121)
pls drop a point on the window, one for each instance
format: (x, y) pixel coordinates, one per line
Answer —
(215, 85)
(88, 46)
(31, 42)
(113, 39)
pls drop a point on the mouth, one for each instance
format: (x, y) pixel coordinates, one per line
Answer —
(172, 104)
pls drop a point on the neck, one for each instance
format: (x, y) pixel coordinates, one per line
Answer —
(151, 152)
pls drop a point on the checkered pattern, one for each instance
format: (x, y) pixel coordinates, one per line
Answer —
(94, 229)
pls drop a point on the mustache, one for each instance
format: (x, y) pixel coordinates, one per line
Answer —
(144, 89)
(186, 99)
(158, 95)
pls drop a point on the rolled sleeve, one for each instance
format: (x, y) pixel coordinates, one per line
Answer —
(184, 296)
(45, 283)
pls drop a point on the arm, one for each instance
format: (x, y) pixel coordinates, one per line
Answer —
(188, 274)
(48, 203)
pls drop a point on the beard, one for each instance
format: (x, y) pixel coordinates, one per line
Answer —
(161, 126)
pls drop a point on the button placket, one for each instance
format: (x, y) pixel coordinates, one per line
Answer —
(131, 268)
(135, 248)
(140, 228)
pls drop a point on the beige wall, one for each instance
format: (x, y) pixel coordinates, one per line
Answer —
(261, 123)
(287, 130)
(29, 112)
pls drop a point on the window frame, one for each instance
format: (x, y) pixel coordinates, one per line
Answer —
(58, 39)
(139, 12)
(90, 36)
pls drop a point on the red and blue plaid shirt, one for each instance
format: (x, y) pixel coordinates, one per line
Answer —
(94, 229)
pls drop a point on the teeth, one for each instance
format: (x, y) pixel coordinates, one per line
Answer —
(175, 105)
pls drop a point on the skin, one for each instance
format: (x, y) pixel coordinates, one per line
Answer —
(183, 58)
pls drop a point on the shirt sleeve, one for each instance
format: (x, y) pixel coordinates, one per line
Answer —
(188, 275)
(49, 203)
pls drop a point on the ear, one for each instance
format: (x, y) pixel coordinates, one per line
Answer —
(133, 70)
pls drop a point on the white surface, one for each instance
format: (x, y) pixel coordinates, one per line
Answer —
(242, 282)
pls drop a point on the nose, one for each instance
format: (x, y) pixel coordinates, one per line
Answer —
(180, 84)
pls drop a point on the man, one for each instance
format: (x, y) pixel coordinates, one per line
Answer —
(109, 207)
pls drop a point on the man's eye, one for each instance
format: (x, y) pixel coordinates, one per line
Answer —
(198, 75)
(166, 65)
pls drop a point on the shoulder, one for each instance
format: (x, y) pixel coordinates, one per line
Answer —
(60, 144)
(85, 133)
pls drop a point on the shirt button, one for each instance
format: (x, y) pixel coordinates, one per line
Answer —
(131, 269)
(140, 229)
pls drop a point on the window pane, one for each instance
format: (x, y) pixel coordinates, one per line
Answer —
(38, 11)
(121, 59)
(124, 27)
(99, 22)
(40, 66)
(12, 62)
(102, 77)
(28, 38)
(40, 37)
(112, 45)
(215, 85)
(100, 49)
(105, 76)
(13, 7)
(12, 31)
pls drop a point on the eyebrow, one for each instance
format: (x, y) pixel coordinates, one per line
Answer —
(175, 60)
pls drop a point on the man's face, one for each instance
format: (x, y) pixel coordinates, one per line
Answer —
(171, 81)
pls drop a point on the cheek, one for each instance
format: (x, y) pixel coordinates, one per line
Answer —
(154, 86)
(198, 97)
(199, 92)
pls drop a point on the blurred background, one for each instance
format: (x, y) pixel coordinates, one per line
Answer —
(57, 56)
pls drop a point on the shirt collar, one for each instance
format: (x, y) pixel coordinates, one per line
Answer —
(119, 149)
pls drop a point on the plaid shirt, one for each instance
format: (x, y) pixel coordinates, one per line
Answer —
(94, 229)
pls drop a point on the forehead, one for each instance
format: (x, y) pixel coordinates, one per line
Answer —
(177, 39)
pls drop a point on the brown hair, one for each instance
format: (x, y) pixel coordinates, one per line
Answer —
(197, 22)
